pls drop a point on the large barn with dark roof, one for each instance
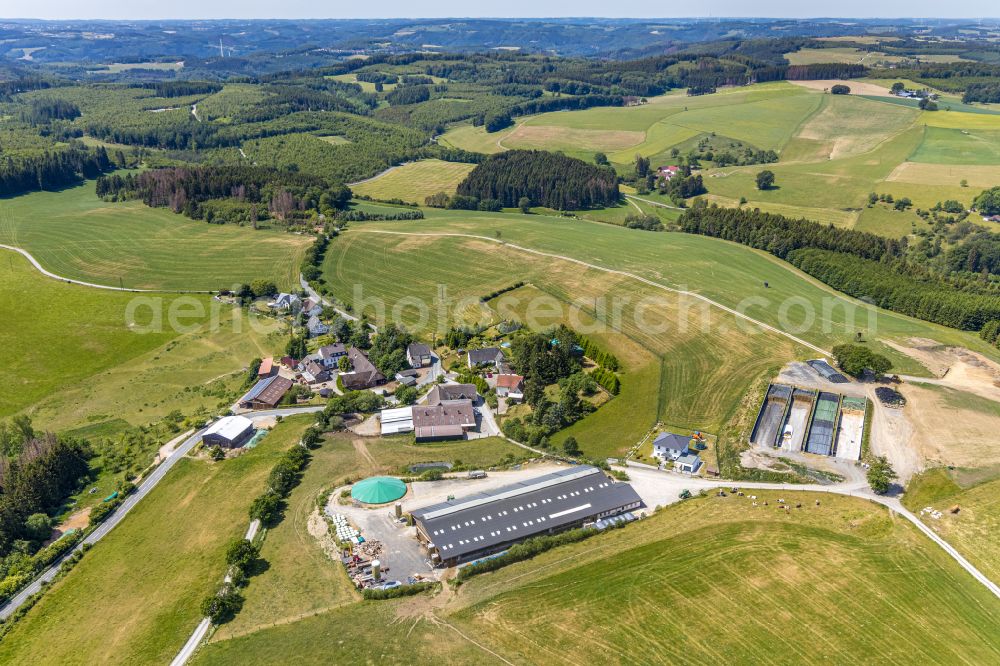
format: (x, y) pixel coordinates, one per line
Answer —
(471, 527)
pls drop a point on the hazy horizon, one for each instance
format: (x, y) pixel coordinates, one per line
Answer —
(437, 9)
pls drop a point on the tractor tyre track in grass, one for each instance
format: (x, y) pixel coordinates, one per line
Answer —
(651, 283)
(34, 262)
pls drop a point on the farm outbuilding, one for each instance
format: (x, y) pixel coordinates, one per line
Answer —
(228, 432)
(266, 393)
(477, 525)
(396, 421)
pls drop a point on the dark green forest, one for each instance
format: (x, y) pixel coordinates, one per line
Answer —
(546, 179)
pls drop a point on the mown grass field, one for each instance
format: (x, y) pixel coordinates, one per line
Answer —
(135, 597)
(56, 335)
(76, 235)
(712, 579)
(682, 363)
(359, 633)
(197, 372)
(975, 529)
(730, 274)
(718, 580)
(415, 181)
(834, 150)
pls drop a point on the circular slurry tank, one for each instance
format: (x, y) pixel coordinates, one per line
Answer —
(378, 490)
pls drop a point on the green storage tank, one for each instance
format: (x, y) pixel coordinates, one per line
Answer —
(378, 490)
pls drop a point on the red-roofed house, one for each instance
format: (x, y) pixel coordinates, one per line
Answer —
(668, 172)
(266, 368)
(510, 387)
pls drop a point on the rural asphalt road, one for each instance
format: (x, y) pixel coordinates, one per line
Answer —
(140, 492)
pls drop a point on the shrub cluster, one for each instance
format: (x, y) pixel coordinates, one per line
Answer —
(402, 591)
(526, 550)
(493, 294)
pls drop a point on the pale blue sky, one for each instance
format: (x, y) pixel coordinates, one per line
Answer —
(194, 9)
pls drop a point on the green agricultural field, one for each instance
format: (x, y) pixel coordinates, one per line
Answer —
(119, 67)
(721, 580)
(415, 181)
(857, 56)
(717, 579)
(76, 235)
(143, 583)
(763, 115)
(475, 139)
(958, 146)
(199, 373)
(675, 367)
(361, 633)
(56, 335)
(730, 274)
(975, 529)
(365, 85)
(228, 102)
(834, 150)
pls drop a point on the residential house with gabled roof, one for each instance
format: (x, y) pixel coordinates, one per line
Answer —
(449, 419)
(330, 355)
(364, 374)
(287, 302)
(670, 446)
(418, 355)
(312, 308)
(442, 392)
(510, 387)
(316, 327)
(486, 356)
(314, 373)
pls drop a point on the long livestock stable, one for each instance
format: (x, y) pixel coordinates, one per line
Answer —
(460, 530)
(804, 420)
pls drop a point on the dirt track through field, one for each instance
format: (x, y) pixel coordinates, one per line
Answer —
(38, 266)
(683, 292)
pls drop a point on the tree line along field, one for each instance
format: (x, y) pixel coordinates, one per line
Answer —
(834, 150)
(76, 235)
(712, 579)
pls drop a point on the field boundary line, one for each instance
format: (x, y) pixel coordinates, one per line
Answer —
(683, 292)
(379, 174)
(34, 262)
